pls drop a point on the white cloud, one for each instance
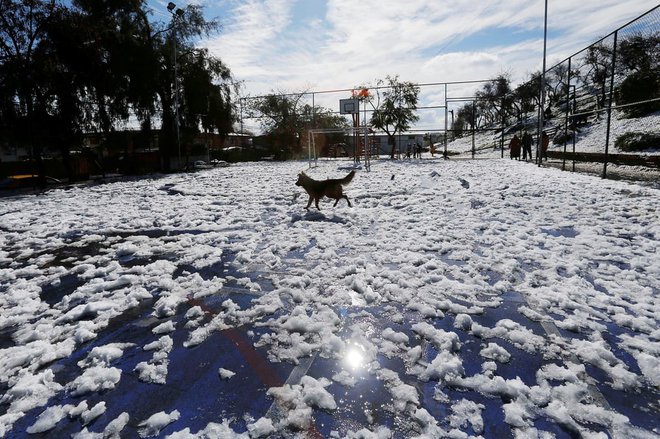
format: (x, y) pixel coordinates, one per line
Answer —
(250, 34)
(271, 49)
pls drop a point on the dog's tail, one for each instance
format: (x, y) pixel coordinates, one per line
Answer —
(348, 178)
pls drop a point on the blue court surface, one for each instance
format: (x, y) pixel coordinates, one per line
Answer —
(194, 388)
(436, 310)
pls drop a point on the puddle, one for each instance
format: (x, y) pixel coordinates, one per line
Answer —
(566, 232)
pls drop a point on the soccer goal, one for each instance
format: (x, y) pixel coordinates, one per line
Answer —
(362, 148)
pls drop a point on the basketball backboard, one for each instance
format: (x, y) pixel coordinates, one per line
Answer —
(349, 106)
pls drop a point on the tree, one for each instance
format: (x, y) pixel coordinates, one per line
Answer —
(199, 92)
(90, 66)
(96, 69)
(494, 100)
(464, 117)
(282, 119)
(639, 52)
(285, 119)
(527, 96)
(638, 87)
(22, 28)
(639, 60)
(598, 64)
(557, 80)
(394, 109)
(205, 102)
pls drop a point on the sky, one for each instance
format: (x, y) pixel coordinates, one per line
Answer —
(297, 45)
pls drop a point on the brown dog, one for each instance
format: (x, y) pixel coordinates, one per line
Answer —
(331, 188)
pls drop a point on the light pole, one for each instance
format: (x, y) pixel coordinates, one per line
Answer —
(176, 12)
(545, 38)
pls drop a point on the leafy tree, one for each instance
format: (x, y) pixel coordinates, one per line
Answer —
(639, 52)
(281, 117)
(527, 96)
(67, 70)
(495, 99)
(203, 83)
(638, 87)
(394, 108)
(465, 117)
(96, 64)
(598, 64)
(285, 119)
(639, 59)
(205, 102)
(22, 28)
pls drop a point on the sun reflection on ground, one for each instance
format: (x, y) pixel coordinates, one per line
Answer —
(354, 357)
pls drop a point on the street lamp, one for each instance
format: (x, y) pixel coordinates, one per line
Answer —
(176, 12)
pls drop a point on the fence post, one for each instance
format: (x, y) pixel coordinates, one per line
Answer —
(502, 132)
(473, 122)
(568, 104)
(575, 131)
(444, 154)
(609, 105)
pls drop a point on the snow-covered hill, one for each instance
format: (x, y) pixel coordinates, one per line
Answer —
(590, 138)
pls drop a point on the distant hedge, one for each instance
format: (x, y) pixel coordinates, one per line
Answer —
(637, 141)
(638, 87)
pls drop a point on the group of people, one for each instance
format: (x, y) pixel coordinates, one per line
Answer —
(525, 144)
(415, 150)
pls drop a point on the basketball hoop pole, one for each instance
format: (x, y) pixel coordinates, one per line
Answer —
(352, 106)
(367, 152)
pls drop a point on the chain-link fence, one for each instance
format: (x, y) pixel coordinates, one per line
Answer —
(602, 102)
(291, 117)
(601, 108)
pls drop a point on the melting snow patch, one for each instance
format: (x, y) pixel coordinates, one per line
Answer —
(225, 374)
(156, 422)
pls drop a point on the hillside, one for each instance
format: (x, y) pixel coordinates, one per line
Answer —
(590, 138)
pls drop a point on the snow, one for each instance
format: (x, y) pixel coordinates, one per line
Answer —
(225, 374)
(95, 379)
(590, 138)
(299, 400)
(156, 422)
(455, 289)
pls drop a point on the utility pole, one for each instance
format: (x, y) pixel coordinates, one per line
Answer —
(541, 113)
(176, 13)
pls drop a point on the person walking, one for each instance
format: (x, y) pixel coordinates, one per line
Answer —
(545, 142)
(514, 147)
(527, 145)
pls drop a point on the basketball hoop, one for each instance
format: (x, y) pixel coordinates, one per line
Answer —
(363, 93)
(349, 106)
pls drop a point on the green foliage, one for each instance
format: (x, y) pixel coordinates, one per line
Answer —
(639, 86)
(494, 100)
(637, 141)
(395, 107)
(639, 52)
(286, 120)
(90, 65)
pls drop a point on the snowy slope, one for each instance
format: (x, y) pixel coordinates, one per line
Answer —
(451, 294)
(590, 138)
